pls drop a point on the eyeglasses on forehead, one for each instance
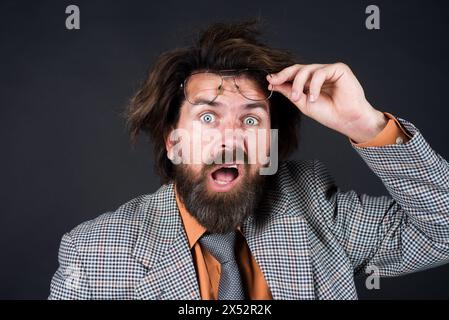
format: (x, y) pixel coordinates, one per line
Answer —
(259, 75)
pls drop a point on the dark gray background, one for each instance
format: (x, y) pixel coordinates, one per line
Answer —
(65, 154)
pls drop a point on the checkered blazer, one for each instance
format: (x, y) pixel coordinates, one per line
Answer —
(309, 237)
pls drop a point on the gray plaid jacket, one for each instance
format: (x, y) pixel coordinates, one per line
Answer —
(309, 237)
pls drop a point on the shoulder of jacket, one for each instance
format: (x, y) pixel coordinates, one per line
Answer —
(305, 181)
(126, 219)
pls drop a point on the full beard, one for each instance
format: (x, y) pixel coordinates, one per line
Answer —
(219, 212)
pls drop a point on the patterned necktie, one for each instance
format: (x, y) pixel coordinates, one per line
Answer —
(222, 247)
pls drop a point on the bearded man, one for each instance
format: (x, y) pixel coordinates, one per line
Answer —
(229, 222)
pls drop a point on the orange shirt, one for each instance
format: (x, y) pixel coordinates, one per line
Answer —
(208, 268)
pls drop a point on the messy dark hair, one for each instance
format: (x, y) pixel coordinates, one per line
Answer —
(155, 108)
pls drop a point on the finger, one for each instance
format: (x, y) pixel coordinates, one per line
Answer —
(335, 71)
(285, 74)
(317, 81)
(300, 80)
(289, 73)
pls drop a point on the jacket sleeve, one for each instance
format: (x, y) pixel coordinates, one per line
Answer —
(405, 232)
(70, 280)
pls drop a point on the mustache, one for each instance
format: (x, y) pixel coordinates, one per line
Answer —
(236, 155)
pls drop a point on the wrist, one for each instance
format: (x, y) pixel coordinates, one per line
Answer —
(370, 127)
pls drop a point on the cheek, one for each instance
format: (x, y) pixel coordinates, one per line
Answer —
(253, 170)
(183, 139)
(189, 171)
(263, 136)
(258, 145)
(195, 169)
(267, 138)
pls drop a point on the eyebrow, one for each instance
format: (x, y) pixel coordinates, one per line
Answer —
(252, 105)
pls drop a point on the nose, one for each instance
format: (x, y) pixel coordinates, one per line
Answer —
(232, 135)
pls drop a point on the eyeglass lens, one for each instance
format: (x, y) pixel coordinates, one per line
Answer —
(204, 87)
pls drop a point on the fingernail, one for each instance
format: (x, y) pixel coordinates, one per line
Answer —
(270, 87)
(311, 98)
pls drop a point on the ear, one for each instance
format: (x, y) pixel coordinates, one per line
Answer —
(169, 143)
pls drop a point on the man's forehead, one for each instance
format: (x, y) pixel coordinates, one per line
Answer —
(242, 104)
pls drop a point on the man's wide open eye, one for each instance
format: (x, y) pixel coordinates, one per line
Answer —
(207, 118)
(251, 121)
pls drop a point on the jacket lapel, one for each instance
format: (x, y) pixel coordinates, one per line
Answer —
(163, 249)
(278, 241)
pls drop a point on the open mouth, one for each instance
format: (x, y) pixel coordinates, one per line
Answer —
(224, 177)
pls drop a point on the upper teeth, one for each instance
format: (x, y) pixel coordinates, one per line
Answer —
(231, 166)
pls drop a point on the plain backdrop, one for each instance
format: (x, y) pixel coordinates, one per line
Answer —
(65, 154)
